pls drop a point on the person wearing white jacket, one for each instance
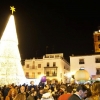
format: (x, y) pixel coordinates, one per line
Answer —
(47, 96)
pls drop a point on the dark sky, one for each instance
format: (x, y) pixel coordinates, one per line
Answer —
(65, 26)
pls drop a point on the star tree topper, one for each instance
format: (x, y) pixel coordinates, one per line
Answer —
(12, 8)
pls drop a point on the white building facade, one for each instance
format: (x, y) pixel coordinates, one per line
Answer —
(91, 63)
(53, 66)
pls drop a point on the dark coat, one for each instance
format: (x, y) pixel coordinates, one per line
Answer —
(30, 97)
(32, 86)
(74, 97)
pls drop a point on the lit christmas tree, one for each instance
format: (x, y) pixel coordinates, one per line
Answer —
(10, 61)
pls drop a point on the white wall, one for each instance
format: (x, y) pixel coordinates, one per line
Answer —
(89, 65)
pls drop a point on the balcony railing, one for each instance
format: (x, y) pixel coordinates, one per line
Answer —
(51, 75)
(50, 67)
(50, 71)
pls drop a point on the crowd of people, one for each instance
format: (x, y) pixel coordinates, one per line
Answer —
(51, 91)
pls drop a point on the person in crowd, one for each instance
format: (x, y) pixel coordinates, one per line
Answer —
(35, 95)
(32, 86)
(11, 94)
(16, 88)
(39, 94)
(46, 87)
(47, 95)
(81, 93)
(95, 91)
(5, 91)
(1, 96)
(88, 93)
(21, 95)
(63, 89)
(65, 95)
(22, 89)
(41, 84)
(55, 93)
(27, 91)
(31, 96)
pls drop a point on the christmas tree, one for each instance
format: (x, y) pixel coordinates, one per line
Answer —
(10, 61)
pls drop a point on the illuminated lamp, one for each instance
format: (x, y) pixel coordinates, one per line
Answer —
(82, 75)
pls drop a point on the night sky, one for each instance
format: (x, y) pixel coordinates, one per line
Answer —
(63, 27)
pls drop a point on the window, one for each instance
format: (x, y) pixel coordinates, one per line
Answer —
(39, 65)
(39, 73)
(47, 73)
(54, 63)
(48, 64)
(56, 56)
(98, 38)
(33, 75)
(97, 60)
(81, 61)
(97, 71)
(99, 45)
(54, 73)
(33, 62)
(27, 66)
(27, 75)
(51, 56)
(51, 71)
(33, 67)
(47, 56)
(61, 56)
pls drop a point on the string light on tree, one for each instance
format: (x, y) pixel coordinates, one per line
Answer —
(10, 61)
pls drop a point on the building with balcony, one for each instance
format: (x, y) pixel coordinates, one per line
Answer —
(53, 66)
